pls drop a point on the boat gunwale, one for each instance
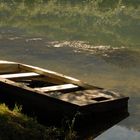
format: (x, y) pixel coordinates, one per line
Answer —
(59, 76)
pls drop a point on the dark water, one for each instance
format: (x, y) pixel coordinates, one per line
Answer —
(97, 42)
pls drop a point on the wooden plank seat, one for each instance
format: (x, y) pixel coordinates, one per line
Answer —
(19, 75)
(57, 88)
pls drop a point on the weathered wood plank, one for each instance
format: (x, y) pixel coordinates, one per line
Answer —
(19, 75)
(57, 88)
(8, 68)
(57, 76)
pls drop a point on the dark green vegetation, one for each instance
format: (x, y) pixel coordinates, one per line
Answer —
(106, 22)
(16, 126)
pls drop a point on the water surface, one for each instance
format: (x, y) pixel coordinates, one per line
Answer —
(97, 42)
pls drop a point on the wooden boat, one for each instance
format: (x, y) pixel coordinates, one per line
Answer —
(52, 92)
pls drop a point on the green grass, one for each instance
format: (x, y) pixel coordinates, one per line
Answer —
(16, 126)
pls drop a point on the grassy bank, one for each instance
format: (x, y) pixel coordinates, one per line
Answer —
(16, 126)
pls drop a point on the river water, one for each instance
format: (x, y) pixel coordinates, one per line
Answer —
(97, 42)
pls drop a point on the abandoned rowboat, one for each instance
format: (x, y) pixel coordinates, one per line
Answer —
(48, 91)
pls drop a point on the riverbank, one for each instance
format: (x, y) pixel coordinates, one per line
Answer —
(14, 126)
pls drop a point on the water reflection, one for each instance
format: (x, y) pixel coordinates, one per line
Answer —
(99, 22)
(119, 133)
(95, 42)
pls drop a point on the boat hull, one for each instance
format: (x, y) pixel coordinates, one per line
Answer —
(68, 103)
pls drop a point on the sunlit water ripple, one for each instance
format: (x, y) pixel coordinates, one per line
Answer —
(95, 45)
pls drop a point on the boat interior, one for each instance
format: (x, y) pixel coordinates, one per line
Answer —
(54, 84)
